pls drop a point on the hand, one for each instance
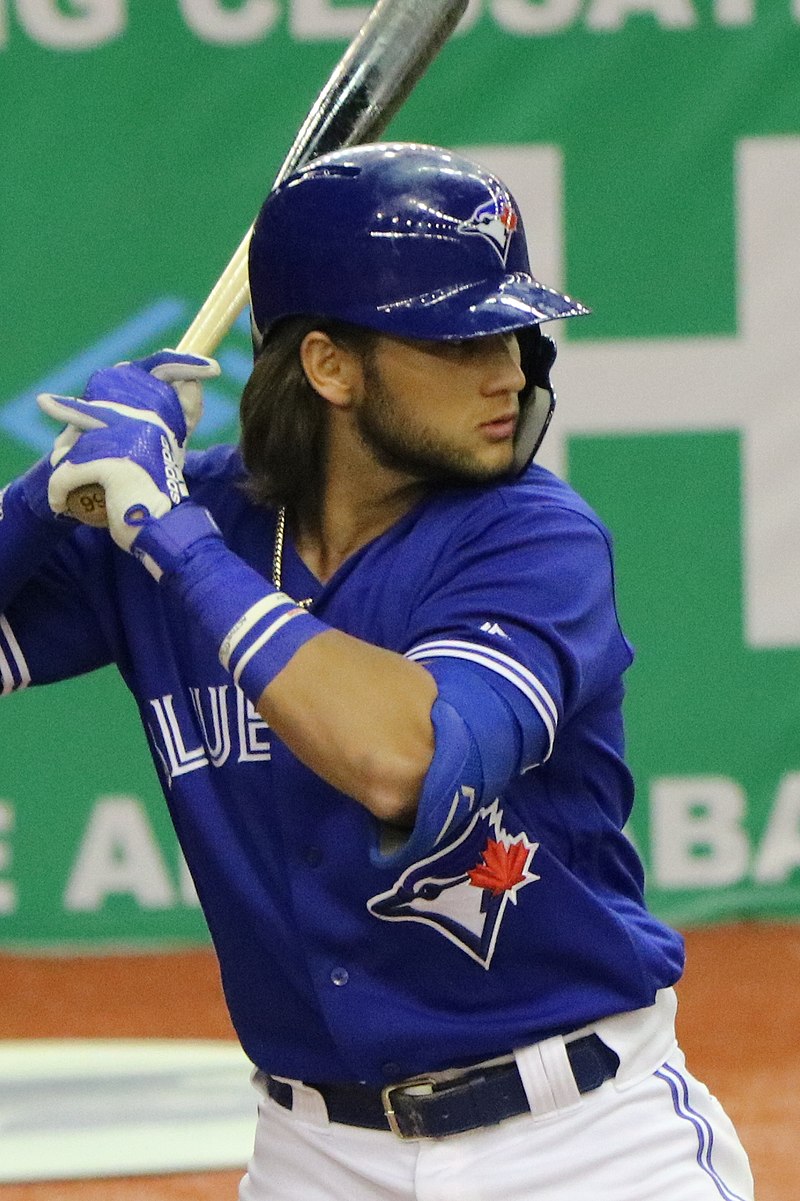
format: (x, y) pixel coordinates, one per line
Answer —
(127, 384)
(185, 372)
(128, 434)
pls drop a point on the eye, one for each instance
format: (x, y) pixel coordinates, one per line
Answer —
(467, 350)
(459, 350)
(485, 345)
(429, 892)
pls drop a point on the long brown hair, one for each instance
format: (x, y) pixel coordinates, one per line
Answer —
(283, 419)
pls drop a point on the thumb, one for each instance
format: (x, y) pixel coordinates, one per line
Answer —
(186, 373)
(64, 444)
(70, 409)
(173, 366)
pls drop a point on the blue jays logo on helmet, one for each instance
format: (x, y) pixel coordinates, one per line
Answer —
(495, 220)
(462, 890)
(402, 238)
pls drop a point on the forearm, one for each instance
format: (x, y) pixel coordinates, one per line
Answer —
(356, 714)
(360, 717)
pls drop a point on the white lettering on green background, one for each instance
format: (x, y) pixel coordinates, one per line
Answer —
(321, 20)
(699, 837)
(119, 855)
(602, 15)
(213, 22)
(779, 853)
(91, 24)
(86, 24)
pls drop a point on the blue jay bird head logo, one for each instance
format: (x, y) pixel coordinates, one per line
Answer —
(462, 890)
(495, 220)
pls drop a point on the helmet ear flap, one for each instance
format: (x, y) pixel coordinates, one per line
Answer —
(537, 399)
(537, 356)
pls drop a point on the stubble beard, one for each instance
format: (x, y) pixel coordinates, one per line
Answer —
(415, 451)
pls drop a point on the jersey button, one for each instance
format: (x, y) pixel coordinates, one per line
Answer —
(340, 976)
(392, 1070)
(313, 856)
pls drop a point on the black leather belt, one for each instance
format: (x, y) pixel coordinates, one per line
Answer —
(426, 1107)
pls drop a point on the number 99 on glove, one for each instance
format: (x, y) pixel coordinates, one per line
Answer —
(87, 504)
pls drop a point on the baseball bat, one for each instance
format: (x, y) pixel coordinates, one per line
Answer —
(386, 59)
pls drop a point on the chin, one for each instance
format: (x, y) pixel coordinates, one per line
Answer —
(497, 465)
(480, 473)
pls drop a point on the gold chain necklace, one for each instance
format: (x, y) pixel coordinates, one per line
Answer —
(277, 557)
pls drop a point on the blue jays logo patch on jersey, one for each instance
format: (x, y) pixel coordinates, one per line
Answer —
(495, 220)
(462, 890)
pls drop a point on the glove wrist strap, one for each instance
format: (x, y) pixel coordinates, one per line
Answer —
(163, 545)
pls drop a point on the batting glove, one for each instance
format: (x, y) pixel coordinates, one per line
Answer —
(128, 434)
(186, 373)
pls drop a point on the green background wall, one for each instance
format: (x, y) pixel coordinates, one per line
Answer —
(655, 148)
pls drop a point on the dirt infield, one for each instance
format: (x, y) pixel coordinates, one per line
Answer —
(738, 1023)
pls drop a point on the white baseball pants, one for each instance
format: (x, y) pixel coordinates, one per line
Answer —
(653, 1133)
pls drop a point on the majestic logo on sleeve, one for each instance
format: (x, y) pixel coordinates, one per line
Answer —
(463, 889)
(495, 220)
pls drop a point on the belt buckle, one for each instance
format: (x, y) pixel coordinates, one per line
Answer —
(427, 1082)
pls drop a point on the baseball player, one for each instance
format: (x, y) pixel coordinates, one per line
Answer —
(376, 653)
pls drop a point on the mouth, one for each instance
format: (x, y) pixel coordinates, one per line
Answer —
(501, 428)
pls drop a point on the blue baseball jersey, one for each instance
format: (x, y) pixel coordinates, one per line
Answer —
(344, 957)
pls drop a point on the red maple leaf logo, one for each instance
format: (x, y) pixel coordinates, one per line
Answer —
(502, 868)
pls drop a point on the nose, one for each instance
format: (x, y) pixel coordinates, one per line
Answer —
(503, 370)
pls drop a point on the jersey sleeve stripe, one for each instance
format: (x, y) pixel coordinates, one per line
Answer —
(504, 666)
(14, 671)
(270, 631)
(491, 653)
(6, 678)
(248, 621)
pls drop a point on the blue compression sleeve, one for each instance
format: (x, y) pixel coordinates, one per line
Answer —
(510, 733)
(256, 628)
(479, 749)
(451, 786)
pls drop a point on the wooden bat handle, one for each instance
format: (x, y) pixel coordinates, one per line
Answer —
(87, 504)
(227, 300)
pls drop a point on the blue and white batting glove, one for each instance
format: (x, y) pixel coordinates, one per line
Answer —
(128, 433)
(186, 373)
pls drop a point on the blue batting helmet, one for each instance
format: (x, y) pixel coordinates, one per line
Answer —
(409, 240)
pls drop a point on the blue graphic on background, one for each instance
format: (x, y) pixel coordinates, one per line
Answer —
(160, 324)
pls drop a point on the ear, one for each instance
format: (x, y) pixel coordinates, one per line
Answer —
(333, 371)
